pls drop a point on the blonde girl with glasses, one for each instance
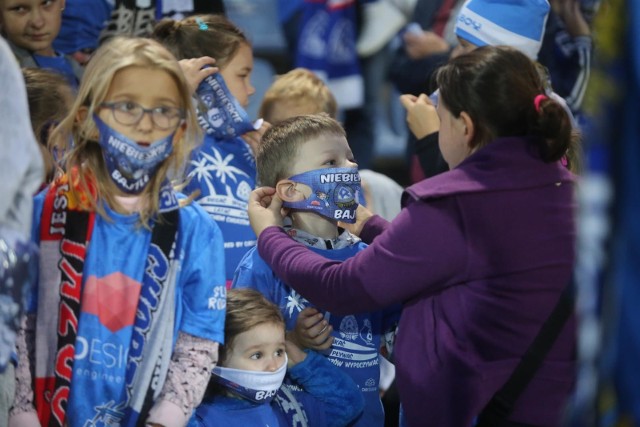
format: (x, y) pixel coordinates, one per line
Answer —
(129, 309)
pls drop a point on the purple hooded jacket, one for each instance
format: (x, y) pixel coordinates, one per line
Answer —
(478, 256)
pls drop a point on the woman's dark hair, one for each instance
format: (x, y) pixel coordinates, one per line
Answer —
(201, 35)
(496, 87)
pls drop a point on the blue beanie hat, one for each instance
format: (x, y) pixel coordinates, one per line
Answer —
(82, 22)
(516, 23)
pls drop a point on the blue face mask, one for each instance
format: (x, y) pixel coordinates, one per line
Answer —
(130, 165)
(256, 386)
(335, 193)
(219, 113)
(434, 97)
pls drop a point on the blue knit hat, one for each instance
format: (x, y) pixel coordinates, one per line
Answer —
(82, 21)
(516, 23)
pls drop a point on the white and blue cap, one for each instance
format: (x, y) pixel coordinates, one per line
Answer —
(516, 23)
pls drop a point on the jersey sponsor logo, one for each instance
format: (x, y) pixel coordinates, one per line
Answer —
(469, 22)
(113, 299)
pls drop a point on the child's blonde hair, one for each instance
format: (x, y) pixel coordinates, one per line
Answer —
(50, 96)
(246, 309)
(201, 35)
(301, 88)
(85, 158)
(281, 142)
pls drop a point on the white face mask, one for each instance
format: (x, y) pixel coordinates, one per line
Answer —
(256, 386)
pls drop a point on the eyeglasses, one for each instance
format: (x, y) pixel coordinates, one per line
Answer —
(130, 113)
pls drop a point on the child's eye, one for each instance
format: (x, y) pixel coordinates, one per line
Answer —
(127, 106)
(167, 111)
(47, 3)
(280, 352)
(330, 162)
(19, 9)
(256, 356)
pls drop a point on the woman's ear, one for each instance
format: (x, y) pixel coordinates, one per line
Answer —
(469, 128)
(287, 191)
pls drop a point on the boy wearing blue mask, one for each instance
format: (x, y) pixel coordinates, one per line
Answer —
(309, 162)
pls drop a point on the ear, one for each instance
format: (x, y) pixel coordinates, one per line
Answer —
(287, 191)
(179, 133)
(469, 128)
(82, 114)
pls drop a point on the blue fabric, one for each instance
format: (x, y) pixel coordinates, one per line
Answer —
(59, 64)
(18, 274)
(357, 338)
(224, 171)
(622, 347)
(287, 8)
(113, 272)
(327, 46)
(509, 14)
(229, 411)
(82, 21)
(314, 393)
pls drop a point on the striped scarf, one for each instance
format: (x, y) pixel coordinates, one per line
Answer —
(65, 232)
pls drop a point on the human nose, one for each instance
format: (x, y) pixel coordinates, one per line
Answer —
(351, 164)
(36, 18)
(145, 123)
(273, 364)
(250, 89)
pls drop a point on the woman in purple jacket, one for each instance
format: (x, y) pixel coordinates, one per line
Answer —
(478, 256)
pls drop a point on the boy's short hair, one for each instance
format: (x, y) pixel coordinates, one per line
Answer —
(246, 309)
(301, 87)
(280, 144)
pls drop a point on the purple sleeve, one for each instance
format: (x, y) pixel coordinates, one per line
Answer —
(372, 228)
(423, 250)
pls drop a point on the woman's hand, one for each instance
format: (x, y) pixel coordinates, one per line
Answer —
(423, 44)
(362, 215)
(312, 330)
(265, 209)
(422, 117)
(569, 11)
(193, 71)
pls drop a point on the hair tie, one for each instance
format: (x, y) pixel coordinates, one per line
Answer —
(201, 24)
(537, 100)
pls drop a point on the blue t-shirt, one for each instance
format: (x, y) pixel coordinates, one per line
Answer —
(224, 171)
(60, 64)
(112, 284)
(357, 338)
(314, 394)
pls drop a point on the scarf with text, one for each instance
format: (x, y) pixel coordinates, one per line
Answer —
(65, 232)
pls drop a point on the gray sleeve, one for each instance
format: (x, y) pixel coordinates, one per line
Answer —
(21, 166)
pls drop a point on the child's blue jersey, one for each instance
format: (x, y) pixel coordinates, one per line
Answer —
(111, 289)
(314, 394)
(357, 338)
(60, 64)
(224, 171)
